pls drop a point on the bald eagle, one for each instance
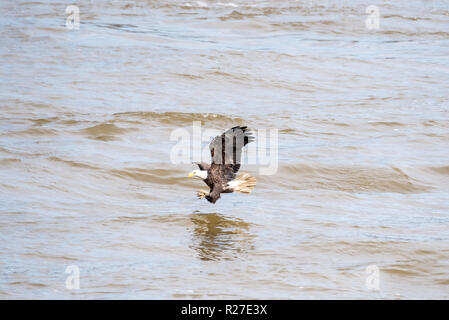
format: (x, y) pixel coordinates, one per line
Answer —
(221, 174)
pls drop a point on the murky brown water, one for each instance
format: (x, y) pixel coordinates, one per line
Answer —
(85, 172)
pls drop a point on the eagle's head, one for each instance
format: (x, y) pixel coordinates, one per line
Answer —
(202, 174)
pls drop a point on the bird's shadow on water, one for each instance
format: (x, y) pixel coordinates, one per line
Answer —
(217, 237)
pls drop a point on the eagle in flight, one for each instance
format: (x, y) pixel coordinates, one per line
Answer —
(221, 174)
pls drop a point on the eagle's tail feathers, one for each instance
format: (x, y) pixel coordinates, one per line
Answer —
(244, 183)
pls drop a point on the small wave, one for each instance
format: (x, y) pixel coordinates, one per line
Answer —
(74, 163)
(236, 15)
(435, 123)
(387, 123)
(178, 118)
(118, 26)
(422, 34)
(403, 270)
(47, 256)
(441, 170)
(442, 281)
(8, 161)
(104, 128)
(42, 121)
(348, 179)
(188, 76)
(105, 131)
(34, 132)
(157, 176)
(387, 16)
(30, 284)
(289, 25)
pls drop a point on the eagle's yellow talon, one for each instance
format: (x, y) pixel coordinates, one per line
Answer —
(201, 194)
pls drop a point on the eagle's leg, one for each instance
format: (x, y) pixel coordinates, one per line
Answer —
(202, 193)
(214, 195)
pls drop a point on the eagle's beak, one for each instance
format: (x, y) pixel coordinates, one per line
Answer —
(191, 174)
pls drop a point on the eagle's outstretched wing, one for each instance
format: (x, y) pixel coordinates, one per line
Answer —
(226, 150)
(202, 165)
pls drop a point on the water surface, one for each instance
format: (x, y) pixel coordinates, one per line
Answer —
(85, 171)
